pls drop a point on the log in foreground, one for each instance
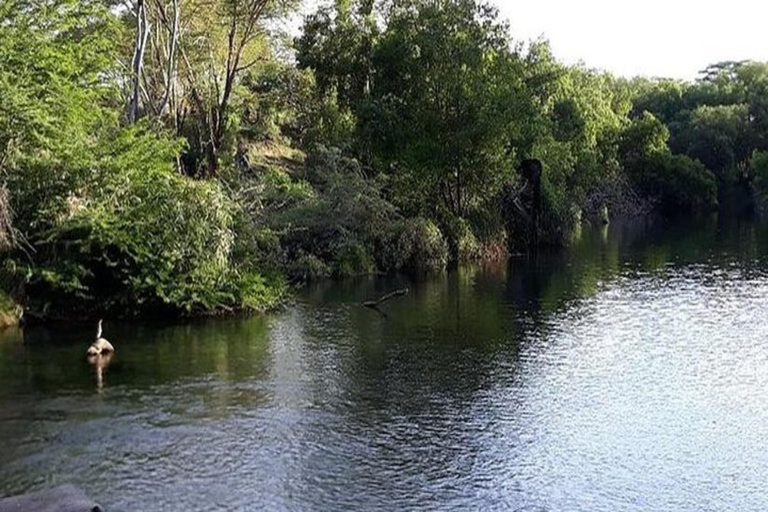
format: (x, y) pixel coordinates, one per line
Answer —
(66, 498)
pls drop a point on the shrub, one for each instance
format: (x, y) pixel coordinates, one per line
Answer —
(10, 312)
(307, 267)
(678, 184)
(560, 215)
(462, 243)
(759, 168)
(130, 235)
(413, 244)
(352, 259)
(7, 232)
(338, 223)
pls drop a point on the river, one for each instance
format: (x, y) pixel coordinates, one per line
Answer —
(626, 373)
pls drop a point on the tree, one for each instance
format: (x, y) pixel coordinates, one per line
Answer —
(643, 137)
(663, 98)
(52, 59)
(449, 105)
(186, 61)
(583, 115)
(227, 38)
(337, 45)
(719, 138)
(137, 61)
(159, 78)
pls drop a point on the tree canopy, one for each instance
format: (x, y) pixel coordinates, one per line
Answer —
(183, 156)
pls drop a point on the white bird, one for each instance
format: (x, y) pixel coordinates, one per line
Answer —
(100, 346)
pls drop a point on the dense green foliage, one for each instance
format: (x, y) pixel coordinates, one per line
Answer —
(185, 168)
(720, 120)
(107, 224)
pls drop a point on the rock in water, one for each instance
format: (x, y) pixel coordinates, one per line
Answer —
(66, 498)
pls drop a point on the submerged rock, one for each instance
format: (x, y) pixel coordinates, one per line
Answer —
(66, 498)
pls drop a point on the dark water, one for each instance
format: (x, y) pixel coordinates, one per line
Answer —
(629, 373)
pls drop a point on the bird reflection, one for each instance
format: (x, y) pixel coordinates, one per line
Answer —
(100, 362)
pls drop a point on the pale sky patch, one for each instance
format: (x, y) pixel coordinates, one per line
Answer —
(669, 38)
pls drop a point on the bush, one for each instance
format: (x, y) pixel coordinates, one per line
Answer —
(338, 224)
(7, 232)
(306, 267)
(462, 243)
(560, 215)
(413, 244)
(10, 312)
(759, 169)
(677, 184)
(352, 259)
(130, 235)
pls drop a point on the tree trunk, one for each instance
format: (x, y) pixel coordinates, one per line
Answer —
(459, 202)
(170, 75)
(212, 159)
(142, 34)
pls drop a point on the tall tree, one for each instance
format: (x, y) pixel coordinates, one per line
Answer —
(449, 102)
(226, 38)
(187, 57)
(337, 45)
(160, 77)
(143, 29)
(53, 59)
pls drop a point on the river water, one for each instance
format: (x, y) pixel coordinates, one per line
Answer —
(628, 373)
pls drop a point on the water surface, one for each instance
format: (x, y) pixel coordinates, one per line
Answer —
(629, 373)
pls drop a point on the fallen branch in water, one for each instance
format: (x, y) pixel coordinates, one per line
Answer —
(374, 304)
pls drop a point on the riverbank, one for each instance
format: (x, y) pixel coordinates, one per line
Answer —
(273, 293)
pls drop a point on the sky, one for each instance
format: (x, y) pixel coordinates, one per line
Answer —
(666, 38)
(653, 38)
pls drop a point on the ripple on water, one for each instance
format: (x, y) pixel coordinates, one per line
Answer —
(645, 394)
